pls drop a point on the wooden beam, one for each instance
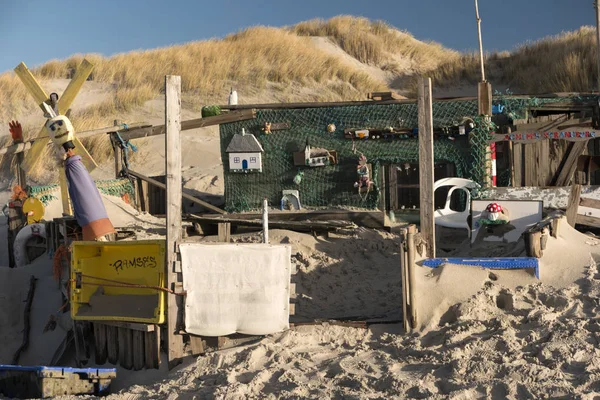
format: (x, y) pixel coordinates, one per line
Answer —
(24, 146)
(484, 97)
(573, 204)
(592, 203)
(173, 192)
(128, 325)
(81, 74)
(184, 195)
(588, 221)
(305, 225)
(31, 84)
(568, 169)
(426, 165)
(274, 106)
(191, 124)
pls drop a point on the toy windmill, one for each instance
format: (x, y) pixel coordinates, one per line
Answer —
(53, 107)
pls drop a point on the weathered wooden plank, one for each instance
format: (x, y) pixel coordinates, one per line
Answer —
(130, 325)
(125, 347)
(274, 106)
(224, 231)
(31, 84)
(393, 187)
(152, 348)
(293, 225)
(565, 176)
(368, 219)
(196, 345)
(86, 157)
(138, 349)
(81, 74)
(404, 276)
(184, 195)
(573, 204)
(517, 155)
(21, 174)
(484, 97)
(533, 245)
(383, 188)
(530, 172)
(588, 221)
(173, 192)
(191, 124)
(411, 277)
(101, 350)
(543, 164)
(426, 165)
(593, 203)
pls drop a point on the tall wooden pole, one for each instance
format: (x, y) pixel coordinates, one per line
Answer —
(480, 41)
(426, 165)
(597, 7)
(265, 221)
(173, 171)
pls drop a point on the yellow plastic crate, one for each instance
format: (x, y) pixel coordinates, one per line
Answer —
(100, 271)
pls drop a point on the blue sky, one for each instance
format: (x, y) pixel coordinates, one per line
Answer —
(35, 31)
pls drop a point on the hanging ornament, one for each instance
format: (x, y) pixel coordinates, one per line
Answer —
(331, 128)
(298, 177)
(267, 128)
(494, 214)
(363, 182)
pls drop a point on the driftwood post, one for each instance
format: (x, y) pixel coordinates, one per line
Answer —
(173, 171)
(426, 165)
(265, 221)
(410, 261)
(116, 149)
(404, 274)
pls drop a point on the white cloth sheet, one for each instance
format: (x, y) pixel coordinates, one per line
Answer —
(236, 288)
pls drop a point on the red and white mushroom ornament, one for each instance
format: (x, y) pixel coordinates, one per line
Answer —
(494, 210)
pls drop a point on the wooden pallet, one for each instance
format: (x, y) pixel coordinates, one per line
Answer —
(131, 345)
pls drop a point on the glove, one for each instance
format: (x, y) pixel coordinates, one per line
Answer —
(16, 131)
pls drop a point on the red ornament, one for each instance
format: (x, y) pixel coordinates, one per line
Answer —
(494, 208)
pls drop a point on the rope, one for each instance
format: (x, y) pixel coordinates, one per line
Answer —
(125, 284)
(59, 256)
(125, 145)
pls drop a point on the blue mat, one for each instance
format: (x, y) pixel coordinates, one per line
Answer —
(491, 263)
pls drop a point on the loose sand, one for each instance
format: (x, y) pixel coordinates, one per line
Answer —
(486, 334)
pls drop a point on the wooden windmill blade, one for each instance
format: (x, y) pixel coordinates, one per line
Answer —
(83, 72)
(31, 84)
(64, 102)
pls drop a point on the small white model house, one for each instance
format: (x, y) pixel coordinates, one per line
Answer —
(245, 153)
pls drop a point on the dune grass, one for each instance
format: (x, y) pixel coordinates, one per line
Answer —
(560, 63)
(375, 42)
(282, 64)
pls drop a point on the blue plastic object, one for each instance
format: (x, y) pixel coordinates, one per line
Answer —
(491, 263)
(27, 382)
(497, 109)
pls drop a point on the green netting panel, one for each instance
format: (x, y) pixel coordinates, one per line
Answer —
(332, 186)
(111, 187)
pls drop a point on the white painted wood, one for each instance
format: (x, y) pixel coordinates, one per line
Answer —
(426, 165)
(173, 193)
(265, 221)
